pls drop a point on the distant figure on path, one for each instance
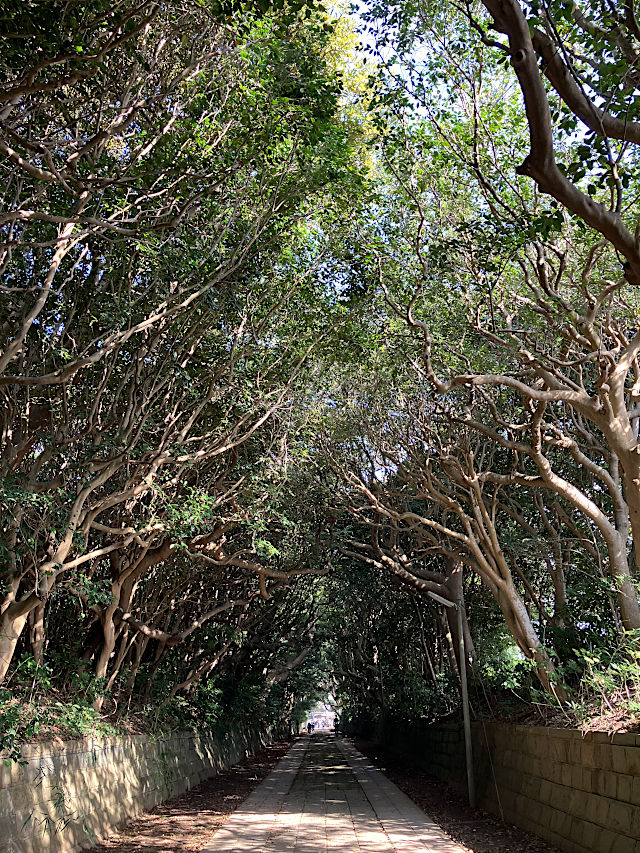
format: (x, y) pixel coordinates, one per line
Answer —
(309, 728)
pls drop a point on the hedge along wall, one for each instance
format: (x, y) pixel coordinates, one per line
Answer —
(579, 792)
(67, 795)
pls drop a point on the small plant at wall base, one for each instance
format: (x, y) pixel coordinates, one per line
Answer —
(25, 721)
(609, 692)
(13, 732)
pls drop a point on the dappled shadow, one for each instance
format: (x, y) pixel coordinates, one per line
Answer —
(333, 802)
(477, 830)
(327, 808)
(187, 822)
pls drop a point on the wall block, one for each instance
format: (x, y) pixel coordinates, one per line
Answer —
(580, 792)
(64, 796)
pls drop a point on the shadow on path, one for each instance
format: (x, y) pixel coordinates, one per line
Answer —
(187, 822)
(476, 830)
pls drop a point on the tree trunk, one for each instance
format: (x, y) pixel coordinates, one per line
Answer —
(12, 621)
(108, 645)
(615, 539)
(140, 646)
(160, 653)
(36, 619)
(626, 595)
(525, 635)
(125, 644)
(445, 623)
(37, 616)
(454, 590)
(10, 630)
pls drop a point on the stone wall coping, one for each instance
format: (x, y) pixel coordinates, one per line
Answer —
(616, 738)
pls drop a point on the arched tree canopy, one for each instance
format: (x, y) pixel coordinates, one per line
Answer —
(308, 314)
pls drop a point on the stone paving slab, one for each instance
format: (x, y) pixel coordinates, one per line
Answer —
(249, 827)
(325, 797)
(406, 825)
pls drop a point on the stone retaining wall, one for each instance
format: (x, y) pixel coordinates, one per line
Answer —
(579, 792)
(66, 795)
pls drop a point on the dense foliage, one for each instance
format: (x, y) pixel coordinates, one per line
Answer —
(297, 334)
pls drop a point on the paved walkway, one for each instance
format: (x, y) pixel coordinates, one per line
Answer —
(325, 797)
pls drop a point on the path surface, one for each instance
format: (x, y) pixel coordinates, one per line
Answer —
(325, 797)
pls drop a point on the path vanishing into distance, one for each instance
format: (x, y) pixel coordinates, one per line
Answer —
(325, 796)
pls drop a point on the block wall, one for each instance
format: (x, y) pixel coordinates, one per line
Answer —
(579, 792)
(65, 796)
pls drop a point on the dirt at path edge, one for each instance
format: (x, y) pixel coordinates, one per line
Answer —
(475, 830)
(187, 822)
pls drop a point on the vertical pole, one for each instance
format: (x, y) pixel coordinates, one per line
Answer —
(465, 710)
